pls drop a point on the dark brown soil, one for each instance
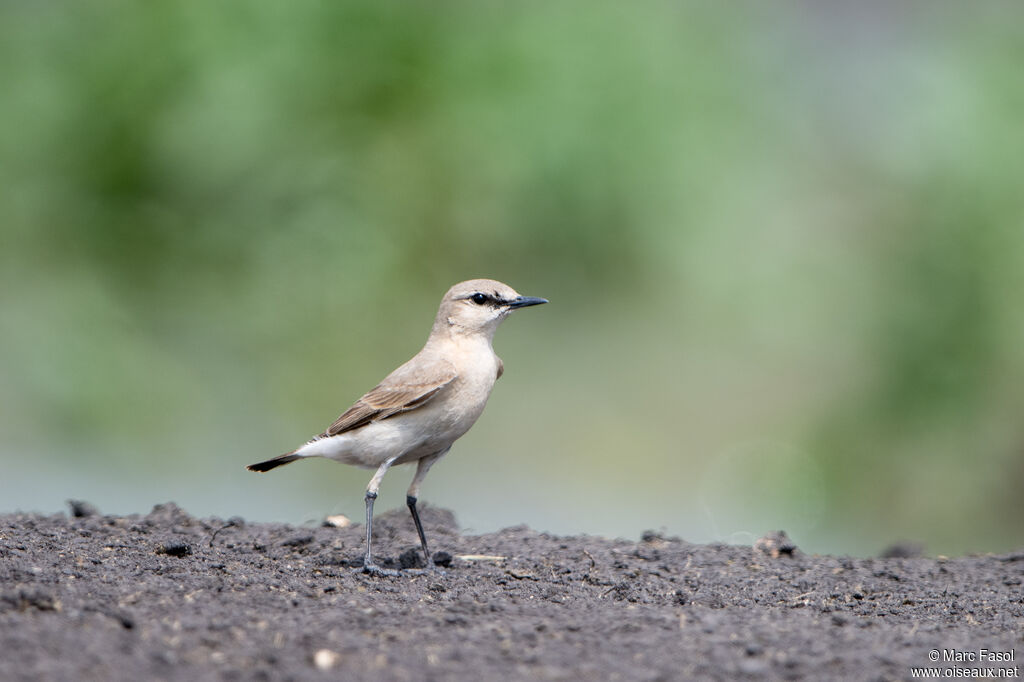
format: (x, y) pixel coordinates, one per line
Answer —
(169, 596)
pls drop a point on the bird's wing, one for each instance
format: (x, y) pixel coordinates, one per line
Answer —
(401, 391)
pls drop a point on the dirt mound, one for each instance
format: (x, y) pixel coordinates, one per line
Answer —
(171, 596)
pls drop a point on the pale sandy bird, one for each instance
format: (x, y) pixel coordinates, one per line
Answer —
(421, 408)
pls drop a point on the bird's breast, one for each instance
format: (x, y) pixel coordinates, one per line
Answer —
(472, 387)
(447, 417)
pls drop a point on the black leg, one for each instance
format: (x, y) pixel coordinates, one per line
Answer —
(411, 501)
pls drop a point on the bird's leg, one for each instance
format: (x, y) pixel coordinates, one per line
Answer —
(422, 467)
(368, 557)
(371, 495)
(411, 502)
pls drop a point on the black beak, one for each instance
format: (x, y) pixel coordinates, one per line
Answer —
(526, 301)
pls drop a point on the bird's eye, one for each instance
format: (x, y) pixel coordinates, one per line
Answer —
(478, 298)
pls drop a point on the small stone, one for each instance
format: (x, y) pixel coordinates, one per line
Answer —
(325, 659)
(410, 558)
(776, 544)
(81, 509)
(174, 549)
(338, 521)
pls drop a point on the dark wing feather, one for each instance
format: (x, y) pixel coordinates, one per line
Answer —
(392, 396)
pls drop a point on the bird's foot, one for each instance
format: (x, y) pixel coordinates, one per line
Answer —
(433, 564)
(377, 571)
(431, 570)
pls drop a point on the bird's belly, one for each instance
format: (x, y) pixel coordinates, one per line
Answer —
(430, 430)
(408, 436)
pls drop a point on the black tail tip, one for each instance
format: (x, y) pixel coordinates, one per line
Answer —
(272, 463)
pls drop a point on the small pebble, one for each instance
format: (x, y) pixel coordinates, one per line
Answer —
(177, 549)
(81, 509)
(776, 544)
(325, 659)
(410, 558)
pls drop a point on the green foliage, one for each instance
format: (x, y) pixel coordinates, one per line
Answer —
(784, 246)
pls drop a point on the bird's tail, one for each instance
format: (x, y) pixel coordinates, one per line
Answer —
(274, 463)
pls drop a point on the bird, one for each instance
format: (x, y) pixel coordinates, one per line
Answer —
(421, 408)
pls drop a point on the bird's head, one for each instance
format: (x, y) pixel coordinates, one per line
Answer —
(479, 305)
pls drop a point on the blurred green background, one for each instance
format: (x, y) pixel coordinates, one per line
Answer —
(784, 245)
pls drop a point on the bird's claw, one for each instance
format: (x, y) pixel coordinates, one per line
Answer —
(377, 571)
(432, 570)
